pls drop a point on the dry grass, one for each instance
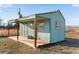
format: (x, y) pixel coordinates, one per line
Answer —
(72, 33)
(4, 32)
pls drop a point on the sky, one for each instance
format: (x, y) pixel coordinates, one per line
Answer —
(69, 11)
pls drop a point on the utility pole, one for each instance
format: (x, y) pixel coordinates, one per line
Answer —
(17, 23)
(19, 13)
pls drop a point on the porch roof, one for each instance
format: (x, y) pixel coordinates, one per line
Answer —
(31, 18)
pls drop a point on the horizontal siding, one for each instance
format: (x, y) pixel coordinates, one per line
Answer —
(45, 34)
(55, 36)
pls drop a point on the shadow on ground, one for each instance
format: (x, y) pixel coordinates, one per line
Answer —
(67, 42)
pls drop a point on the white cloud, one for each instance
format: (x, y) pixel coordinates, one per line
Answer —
(5, 5)
(75, 5)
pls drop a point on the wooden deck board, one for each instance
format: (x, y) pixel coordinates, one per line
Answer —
(27, 41)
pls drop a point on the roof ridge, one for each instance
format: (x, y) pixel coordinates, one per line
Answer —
(48, 12)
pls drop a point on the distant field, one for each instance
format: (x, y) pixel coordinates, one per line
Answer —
(4, 32)
(69, 32)
(72, 33)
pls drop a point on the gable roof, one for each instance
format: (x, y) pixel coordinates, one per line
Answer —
(41, 13)
(33, 15)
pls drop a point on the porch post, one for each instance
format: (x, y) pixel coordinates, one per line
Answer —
(8, 29)
(17, 24)
(35, 30)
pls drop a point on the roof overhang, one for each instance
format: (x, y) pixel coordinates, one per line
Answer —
(31, 18)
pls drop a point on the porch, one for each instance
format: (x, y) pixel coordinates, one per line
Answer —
(34, 30)
(29, 42)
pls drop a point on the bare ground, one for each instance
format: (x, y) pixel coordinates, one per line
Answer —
(8, 46)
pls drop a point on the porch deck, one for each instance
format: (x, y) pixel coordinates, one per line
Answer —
(29, 42)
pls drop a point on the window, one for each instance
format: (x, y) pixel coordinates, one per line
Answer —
(41, 26)
(58, 25)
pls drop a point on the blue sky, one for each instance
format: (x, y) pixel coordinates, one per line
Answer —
(69, 11)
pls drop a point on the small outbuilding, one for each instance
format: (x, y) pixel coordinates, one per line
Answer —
(48, 27)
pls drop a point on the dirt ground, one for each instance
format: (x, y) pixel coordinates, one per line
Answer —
(8, 46)
(69, 46)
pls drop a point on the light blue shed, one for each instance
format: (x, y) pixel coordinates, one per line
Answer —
(49, 26)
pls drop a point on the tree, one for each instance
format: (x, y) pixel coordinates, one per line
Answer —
(0, 22)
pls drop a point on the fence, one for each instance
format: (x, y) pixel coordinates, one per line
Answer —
(4, 32)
